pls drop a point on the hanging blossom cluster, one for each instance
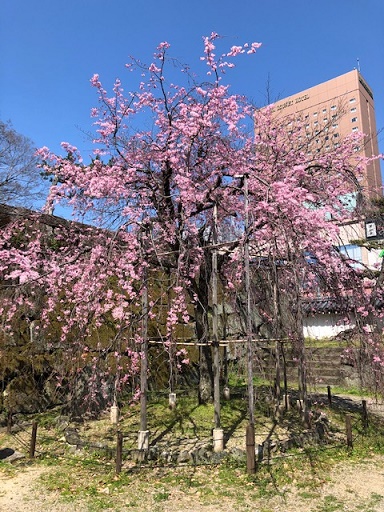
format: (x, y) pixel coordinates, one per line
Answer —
(69, 281)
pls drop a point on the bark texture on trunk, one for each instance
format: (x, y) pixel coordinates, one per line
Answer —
(205, 354)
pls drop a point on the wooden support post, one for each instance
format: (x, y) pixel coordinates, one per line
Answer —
(250, 436)
(284, 370)
(348, 429)
(329, 396)
(9, 421)
(215, 336)
(365, 415)
(119, 452)
(250, 448)
(277, 372)
(144, 336)
(32, 446)
(307, 418)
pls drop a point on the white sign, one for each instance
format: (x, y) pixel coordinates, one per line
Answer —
(370, 229)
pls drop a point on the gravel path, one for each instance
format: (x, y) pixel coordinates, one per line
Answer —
(352, 487)
(24, 493)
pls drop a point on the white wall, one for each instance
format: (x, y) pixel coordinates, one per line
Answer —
(326, 325)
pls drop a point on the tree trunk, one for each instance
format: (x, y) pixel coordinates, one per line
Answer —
(205, 375)
(205, 355)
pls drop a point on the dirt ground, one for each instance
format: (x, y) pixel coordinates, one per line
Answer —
(352, 487)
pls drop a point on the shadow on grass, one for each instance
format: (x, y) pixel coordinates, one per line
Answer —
(230, 431)
(180, 415)
(197, 420)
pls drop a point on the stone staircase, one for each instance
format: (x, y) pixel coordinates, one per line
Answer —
(326, 366)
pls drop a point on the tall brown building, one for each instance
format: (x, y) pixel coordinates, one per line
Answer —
(334, 109)
(351, 95)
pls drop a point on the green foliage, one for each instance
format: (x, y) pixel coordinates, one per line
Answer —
(355, 391)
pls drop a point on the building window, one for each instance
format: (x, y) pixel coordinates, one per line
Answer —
(315, 123)
(353, 253)
(315, 114)
(335, 135)
(333, 107)
(352, 100)
(335, 125)
(353, 109)
(355, 129)
(325, 120)
(324, 110)
(354, 119)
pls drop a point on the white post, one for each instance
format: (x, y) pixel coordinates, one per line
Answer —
(227, 393)
(143, 440)
(287, 402)
(114, 414)
(218, 440)
(172, 400)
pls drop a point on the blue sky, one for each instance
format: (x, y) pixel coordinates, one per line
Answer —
(49, 49)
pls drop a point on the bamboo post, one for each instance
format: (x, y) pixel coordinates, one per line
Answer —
(329, 396)
(119, 452)
(32, 446)
(348, 429)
